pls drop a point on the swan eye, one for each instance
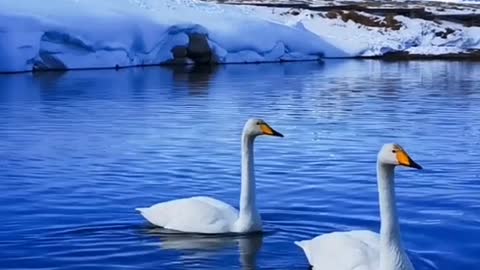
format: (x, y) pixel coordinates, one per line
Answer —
(394, 151)
(258, 123)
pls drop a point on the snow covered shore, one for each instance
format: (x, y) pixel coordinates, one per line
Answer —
(70, 34)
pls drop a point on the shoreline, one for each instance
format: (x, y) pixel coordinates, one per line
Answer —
(389, 57)
(276, 33)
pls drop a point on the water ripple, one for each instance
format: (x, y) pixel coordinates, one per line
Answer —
(80, 150)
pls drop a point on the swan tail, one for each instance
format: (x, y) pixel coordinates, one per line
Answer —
(300, 244)
(141, 209)
(151, 216)
(304, 245)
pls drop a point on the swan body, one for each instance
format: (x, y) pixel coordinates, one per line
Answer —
(366, 250)
(211, 216)
(195, 214)
(343, 250)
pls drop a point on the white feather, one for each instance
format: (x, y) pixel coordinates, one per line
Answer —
(359, 250)
(194, 215)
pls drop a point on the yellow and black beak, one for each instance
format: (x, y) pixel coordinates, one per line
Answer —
(405, 160)
(267, 130)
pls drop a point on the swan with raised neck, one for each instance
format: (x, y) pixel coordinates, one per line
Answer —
(365, 249)
(202, 214)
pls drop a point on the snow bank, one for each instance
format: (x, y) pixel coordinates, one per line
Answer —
(68, 34)
(415, 36)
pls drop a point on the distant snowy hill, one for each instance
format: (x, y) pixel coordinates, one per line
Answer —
(70, 34)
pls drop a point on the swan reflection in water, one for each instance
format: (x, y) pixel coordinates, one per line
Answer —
(196, 246)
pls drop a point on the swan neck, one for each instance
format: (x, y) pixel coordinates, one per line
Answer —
(391, 250)
(388, 211)
(247, 193)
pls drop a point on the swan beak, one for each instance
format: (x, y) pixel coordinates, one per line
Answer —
(267, 130)
(405, 160)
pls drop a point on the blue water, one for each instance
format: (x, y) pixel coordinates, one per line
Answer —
(80, 150)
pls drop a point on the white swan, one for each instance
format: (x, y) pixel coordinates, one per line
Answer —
(208, 215)
(366, 250)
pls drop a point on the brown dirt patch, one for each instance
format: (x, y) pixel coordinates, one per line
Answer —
(370, 21)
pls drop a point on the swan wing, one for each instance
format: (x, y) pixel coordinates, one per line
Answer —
(353, 250)
(192, 215)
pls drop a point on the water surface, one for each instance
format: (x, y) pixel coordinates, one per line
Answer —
(80, 150)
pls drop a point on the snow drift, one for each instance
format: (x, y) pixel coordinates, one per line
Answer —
(69, 34)
(72, 34)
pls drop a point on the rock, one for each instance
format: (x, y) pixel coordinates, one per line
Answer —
(198, 49)
(179, 52)
(445, 34)
(332, 14)
(48, 61)
(295, 12)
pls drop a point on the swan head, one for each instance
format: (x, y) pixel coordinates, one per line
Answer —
(393, 154)
(256, 127)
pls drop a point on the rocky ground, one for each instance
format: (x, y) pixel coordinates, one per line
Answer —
(467, 13)
(462, 13)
